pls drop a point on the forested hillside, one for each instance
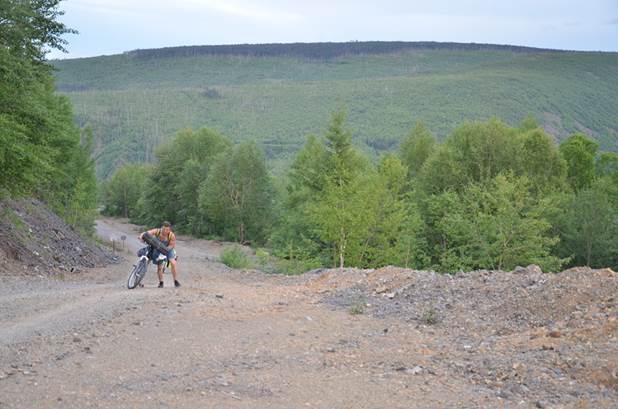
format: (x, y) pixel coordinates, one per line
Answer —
(276, 94)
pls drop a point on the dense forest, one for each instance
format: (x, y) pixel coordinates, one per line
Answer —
(490, 196)
(276, 94)
(43, 153)
(322, 51)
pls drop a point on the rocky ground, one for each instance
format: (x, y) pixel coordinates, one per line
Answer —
(35, 241)
(546, 339)
(329, 339)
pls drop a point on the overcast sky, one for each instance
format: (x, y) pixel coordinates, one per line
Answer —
(114, 26)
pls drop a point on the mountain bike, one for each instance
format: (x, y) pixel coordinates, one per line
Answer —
(155, 252)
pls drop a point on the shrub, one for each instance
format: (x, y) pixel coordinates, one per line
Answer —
(234, 257)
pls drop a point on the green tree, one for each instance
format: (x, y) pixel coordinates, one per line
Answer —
(30, 115)
(579, 151)
(237, 196)
(497, 224)
(607, 165)
(343, 162)
(182, 165)
(339, 220)
(29, 28)
(43, 153)
(450, 234)
(122, 192)
(591, 225)
(81, 194)
(441, 171)
(395, 229)
(474, 152)
(323, 168)
(484, 149)
(510, 225)
(293, 237)
(416, 148)
(541, 162)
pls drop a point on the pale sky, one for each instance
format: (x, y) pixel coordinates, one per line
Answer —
(115, 26)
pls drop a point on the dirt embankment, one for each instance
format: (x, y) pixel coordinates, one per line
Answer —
(35, 241)
(527, 335)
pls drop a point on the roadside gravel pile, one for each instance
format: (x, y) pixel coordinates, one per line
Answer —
(36, 241)
(547, 338)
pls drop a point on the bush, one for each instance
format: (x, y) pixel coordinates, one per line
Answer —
(234, 257)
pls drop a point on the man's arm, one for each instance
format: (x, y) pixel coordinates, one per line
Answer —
(151, 232)
(172, 244)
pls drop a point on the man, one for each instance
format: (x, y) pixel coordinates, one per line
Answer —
(168, 238)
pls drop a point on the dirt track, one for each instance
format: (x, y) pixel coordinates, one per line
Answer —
(232, 339)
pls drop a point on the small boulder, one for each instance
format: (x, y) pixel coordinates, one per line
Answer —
(534, 269)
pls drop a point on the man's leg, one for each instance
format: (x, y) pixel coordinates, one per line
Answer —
(174, 262)
(174, 270)
(160, 269)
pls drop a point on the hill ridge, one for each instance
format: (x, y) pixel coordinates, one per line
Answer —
(325, 50)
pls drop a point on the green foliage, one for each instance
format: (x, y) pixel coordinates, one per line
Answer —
(345, 211)
(290, 266)
(237, 196)
(430, 317)
(478, 152)
(490, 196)
(234, 257)
(497, 225)
(122, 192)
(579, 152)
(183, 165)
(43, 153)
(607, 165)
(591, 225)
(29, 28)
(416, 148)
(541, 162)
(441, 171)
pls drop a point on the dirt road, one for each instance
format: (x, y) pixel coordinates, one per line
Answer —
(226, 339)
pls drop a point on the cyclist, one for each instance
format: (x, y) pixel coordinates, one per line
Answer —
(165, 235)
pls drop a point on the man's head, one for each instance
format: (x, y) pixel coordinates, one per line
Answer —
(166, 227)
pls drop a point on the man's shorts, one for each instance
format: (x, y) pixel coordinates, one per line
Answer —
(171, 255)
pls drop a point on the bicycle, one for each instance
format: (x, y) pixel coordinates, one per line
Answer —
(145, 256)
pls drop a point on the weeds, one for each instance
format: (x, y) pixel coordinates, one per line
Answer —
(16, 221)
(430, 316)
(358, 306)
(234, 257)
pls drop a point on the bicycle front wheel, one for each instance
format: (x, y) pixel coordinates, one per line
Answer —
(137, 274)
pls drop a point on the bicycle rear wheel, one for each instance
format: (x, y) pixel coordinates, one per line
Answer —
(137, 274)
